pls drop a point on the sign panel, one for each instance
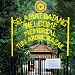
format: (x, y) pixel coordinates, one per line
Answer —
(38, 26)
(53, 63)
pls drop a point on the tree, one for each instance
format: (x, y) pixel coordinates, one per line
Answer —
(65, 8)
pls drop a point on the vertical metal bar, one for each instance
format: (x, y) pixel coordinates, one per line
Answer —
(12, 36)
(40, 67)
(21, 68)
(64, 69)
(12, 59)
(26, 70)
(70, 67)
(51, 57)
(58, 57)
(31, 68)
(68, 26)
(53, 71)
(44, 66)
(12, 69)
(67, 64)
(28, 66)
(33, 65)
(68, 29)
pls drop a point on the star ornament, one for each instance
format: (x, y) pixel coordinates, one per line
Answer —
(40, 6)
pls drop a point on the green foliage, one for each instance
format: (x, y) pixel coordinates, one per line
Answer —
(67, 9)
(18, 8)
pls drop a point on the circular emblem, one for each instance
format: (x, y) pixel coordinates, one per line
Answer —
(40, 6)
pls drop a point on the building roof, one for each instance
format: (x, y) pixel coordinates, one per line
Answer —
(40, 48)
(41, 51)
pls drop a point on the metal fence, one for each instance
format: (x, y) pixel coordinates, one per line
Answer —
(37, 67)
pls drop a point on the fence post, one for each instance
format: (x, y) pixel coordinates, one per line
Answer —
(39, 66)
(12, 67)
(21, 68)
(58, 57)
(28, 66)
(67, 64)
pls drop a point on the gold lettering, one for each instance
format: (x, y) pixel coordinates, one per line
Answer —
(37, 16)
(60, 45)
(31, 16)
(40, 15)
(18, 46)
(46, 16)
(28, 25)
(45, 24)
